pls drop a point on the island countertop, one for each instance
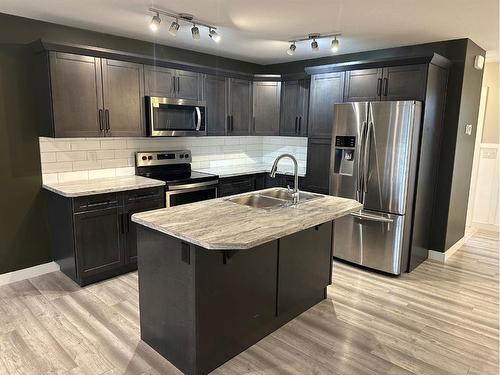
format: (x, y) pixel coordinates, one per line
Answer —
(219, 224)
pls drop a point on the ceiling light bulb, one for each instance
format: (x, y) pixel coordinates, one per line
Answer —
(292, 49)
(173, 28)
(155, 23)
(195, 32)
(335, 45)
(214, 35)
(314, 46)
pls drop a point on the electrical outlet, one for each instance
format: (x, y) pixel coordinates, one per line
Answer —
(468, 129)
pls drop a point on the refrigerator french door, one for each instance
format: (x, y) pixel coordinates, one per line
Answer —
(374, 155)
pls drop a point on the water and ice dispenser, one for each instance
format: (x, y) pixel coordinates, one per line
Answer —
(345, 147)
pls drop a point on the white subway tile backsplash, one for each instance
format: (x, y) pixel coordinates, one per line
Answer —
(48, 157)
(102, 173)
(62, 159)
(72, 176)
(113, 144)
(87, 144)
(71, 155)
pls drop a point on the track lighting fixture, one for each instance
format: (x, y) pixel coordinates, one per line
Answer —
(314, 42)
(214, 35)
(155, 22)
(335, 44)
(195, 32)
(182, 17)
(174, 27)
(314, 46)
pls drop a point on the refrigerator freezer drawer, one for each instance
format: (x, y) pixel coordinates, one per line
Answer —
(372, 239)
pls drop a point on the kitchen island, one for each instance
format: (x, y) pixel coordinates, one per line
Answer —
(217, 276)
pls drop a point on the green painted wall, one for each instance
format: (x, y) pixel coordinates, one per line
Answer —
(23, 230)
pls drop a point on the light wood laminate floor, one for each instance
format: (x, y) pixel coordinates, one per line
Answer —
(440, 319)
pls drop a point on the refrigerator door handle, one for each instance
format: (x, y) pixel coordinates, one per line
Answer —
(371, 217)
(366, 155)
(359, 184)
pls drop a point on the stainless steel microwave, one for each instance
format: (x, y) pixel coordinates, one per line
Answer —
(171, 117)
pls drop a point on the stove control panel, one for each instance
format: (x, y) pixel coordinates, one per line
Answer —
(143, 159)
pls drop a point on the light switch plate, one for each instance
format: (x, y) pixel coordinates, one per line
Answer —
(468, 129)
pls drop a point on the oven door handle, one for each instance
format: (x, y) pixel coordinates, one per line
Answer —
(176, 188)
(197, 118)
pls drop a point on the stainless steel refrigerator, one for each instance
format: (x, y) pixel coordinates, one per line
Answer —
(375, 159)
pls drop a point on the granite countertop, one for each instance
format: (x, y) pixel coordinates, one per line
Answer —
(241, 170)
(219, 224)
(101, 185)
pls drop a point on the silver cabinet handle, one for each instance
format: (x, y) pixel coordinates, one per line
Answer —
(300, 124)
(101, 126)
(371, 217)
(198, 118)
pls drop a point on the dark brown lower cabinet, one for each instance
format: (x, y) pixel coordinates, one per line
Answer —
(318, 165)
(97, 241)
(251, 182)
(92, 237)
(200, 307)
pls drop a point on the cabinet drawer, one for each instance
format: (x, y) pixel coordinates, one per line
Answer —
(236, 185)
(136, 196)
(95, 202)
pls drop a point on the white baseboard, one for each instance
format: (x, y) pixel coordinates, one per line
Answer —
(441, 257)
(26, 273)
(488, 227)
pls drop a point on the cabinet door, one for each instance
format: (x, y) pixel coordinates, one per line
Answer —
(326, 90)
(303, 106)
(187, 85)
(303, 271)
(266, 108)
(76, 95)
(214, 94)
(123, 88)
(404, 82)
(318, 165)
(363, 85)
(130, 231)
(289, 108)
(159, 81)
(97, 241)
(240, 106)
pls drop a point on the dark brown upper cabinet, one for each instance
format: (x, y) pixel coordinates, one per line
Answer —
(266, 108)
(326, 90)
(172, 83)
(94, 97)
(214, 94)
(239, 106)
(404, 82)
(76, 93)
(363, 85)
(294, 107)
(390, 83)
(123, 88)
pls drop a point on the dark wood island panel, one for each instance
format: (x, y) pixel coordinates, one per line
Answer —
(199, 307)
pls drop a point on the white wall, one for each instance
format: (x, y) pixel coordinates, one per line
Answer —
(484, 195)
(68, 159)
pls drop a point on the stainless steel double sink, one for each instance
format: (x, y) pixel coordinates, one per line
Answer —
(272, 198)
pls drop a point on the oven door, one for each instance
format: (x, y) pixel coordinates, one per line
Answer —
(190, 193)
(175, 117)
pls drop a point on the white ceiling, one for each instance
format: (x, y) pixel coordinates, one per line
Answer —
(258, 30)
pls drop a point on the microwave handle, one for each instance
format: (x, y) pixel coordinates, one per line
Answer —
(197, 118)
